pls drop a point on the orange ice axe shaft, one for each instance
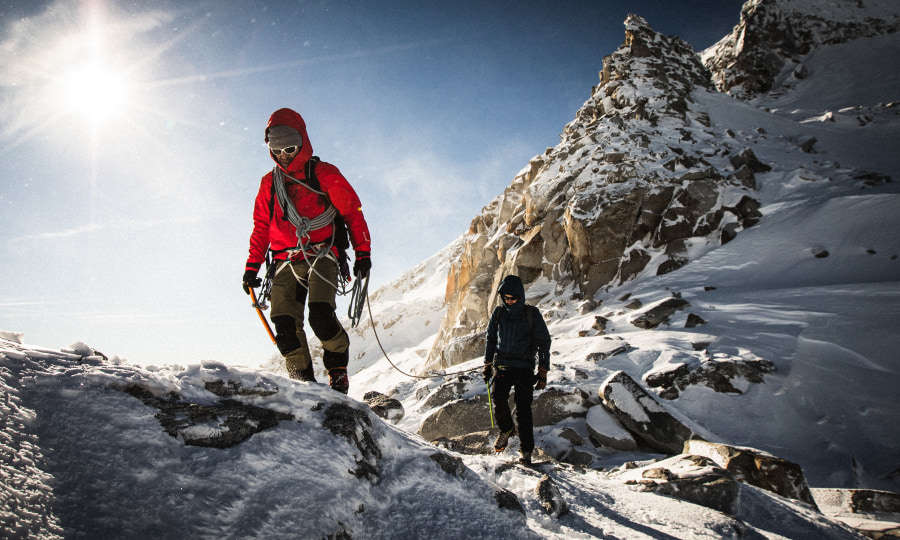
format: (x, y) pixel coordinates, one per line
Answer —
(261, 316)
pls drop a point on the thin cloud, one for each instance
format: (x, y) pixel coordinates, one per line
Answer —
(55, 235)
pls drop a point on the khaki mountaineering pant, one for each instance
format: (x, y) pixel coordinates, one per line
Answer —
(294, 283)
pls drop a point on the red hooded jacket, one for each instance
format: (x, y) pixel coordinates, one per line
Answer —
(275, 230)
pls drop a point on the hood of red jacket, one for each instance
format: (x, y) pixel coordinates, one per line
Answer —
(289, 117)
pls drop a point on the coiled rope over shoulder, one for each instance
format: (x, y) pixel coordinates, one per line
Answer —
(304, 225)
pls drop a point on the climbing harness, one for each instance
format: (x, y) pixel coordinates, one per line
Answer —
(305, 226)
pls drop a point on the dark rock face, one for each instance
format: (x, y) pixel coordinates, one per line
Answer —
(221, 425)
(355, 426)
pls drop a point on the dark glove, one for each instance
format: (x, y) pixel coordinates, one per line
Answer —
(488, 372)
(541, 379)
(362, 264)
(250, 280)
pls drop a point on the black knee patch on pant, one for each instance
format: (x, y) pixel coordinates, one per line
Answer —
(323, 321)
(333, 360)
(286, 334)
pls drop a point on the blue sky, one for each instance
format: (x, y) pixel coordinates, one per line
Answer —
(132, 142)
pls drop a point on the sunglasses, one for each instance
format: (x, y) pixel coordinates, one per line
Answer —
(510, 298)
(288, 150)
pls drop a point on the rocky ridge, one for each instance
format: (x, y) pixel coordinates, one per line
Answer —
(639, 183)
(767, 47)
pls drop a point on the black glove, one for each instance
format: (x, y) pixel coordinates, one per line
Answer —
(362, 264)
(541, 379)
(488, 372)
(250, 280)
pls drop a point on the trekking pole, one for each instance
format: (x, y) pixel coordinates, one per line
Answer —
(490, 405)
(261, 316)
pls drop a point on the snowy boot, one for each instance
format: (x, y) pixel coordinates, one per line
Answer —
(525, 459)
(503, 439)
(338, 380)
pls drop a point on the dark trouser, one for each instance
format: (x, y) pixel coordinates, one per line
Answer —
(293, 284)
(522, 380)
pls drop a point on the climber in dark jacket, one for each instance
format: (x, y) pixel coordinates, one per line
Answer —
(516, 334)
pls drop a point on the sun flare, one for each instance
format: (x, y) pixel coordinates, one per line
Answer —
(94, 91)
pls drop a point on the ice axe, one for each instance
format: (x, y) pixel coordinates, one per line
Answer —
(490, 404)
(260, 313)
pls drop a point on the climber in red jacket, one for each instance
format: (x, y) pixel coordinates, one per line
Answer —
(302, 209)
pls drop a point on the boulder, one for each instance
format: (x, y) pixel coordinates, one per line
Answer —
(875, 514)
(457, 418)
(554, 405)
(696, 479)
(660, 313)
(550, 497)
(731, 376)
(477, 443)
(605, 430)
(642, 415)
(446, 393)
(757, 468)
(388, 408)
(857, 501)
(665, 376)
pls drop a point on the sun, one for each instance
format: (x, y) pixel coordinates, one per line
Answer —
(93, 91)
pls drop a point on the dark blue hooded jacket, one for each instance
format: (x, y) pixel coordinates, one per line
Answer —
(510, 342)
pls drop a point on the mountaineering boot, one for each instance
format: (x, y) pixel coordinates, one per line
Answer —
(525, 459)
(503, 439)
(304, 375)
(338, 380)
(307, 375)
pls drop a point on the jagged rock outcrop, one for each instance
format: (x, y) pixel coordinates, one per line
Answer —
(642, 415)
(638, 184)
(729, 376)
(756, 468)
(773, 36)
(696, 479)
